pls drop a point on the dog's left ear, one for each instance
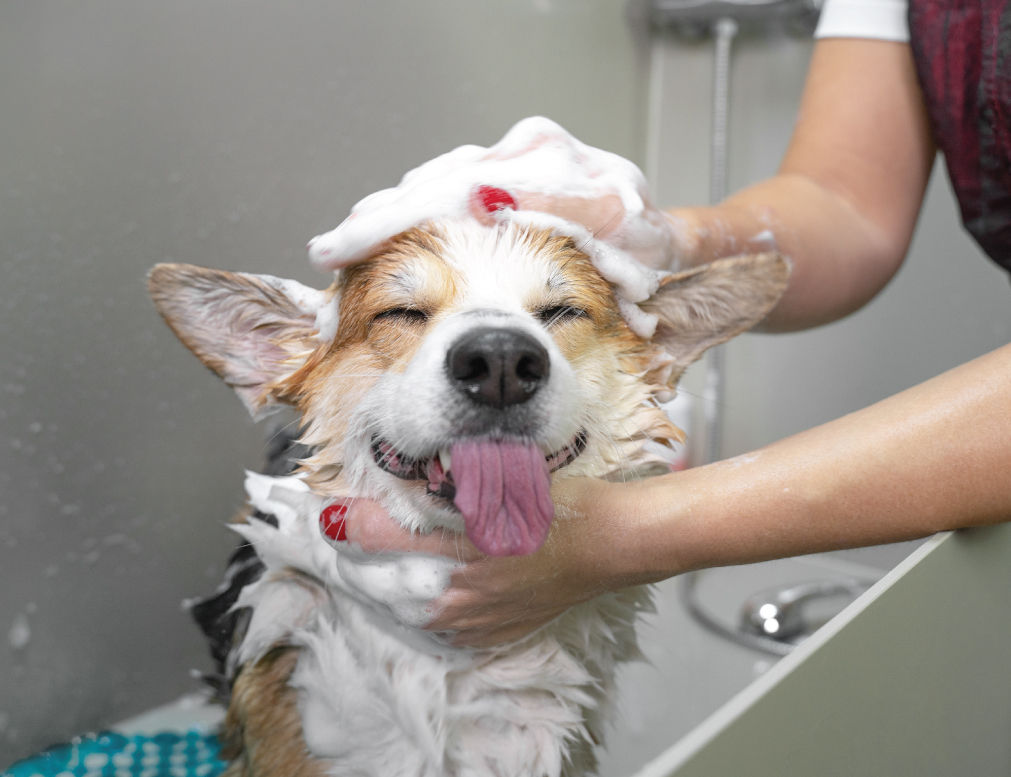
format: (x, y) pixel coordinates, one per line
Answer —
(710, 304)
(252, 330)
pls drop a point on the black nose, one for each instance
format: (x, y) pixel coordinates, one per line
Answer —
(498, 367)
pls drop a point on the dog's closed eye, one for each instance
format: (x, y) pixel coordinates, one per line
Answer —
(556, 314)
(402, 315)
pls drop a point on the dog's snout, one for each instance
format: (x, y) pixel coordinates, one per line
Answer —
(498, 367)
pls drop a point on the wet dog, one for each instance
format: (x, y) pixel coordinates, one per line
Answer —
(453, 377)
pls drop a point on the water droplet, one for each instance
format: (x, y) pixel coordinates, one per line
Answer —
(20, 633)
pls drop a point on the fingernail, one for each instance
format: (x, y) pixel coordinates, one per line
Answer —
(332, 522)
(492, 198)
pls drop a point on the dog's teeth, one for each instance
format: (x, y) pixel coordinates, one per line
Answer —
(444, 459)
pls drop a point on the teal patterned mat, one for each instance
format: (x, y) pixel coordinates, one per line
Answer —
(108, 754)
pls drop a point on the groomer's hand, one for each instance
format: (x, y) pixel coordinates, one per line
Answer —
(495, 600)
(603, 216)
(600, 215)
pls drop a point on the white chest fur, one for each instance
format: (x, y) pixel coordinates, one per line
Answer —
(379, 696)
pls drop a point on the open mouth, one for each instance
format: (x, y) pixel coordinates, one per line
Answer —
(500, 487)
(437, 470)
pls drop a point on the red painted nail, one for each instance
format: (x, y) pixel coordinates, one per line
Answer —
(332, 522)
(493, 198)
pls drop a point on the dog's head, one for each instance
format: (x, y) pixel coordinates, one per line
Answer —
(453, 375)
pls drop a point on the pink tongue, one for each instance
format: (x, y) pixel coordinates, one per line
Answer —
(503, 492)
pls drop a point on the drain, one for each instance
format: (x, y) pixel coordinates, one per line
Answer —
(790, 613)
(775, 620)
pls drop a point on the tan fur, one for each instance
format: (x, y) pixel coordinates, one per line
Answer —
(263, 729)
(712, 292)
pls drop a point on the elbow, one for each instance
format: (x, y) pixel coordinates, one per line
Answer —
(841, 259)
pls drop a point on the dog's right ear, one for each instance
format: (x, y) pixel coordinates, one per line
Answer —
(252, 330)
(707, 305)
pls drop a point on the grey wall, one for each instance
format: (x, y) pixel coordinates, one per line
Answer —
(223, 134)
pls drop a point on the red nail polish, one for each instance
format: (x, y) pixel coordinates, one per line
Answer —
(332, 522)
(493, 198)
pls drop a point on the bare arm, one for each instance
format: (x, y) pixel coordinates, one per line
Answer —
(844, 203)
(934, 457)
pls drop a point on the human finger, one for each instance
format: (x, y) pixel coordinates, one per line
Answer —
(367, 524)
(601, 215)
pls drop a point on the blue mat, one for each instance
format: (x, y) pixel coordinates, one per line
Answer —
(108, 754)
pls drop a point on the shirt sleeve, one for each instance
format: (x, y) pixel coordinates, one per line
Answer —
(878, 19)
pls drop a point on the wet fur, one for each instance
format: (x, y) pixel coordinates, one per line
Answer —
(266, 739)
(546, 699)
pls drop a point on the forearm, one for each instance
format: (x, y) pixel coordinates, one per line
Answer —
(839, 259)
(844, 202)
(932, 458)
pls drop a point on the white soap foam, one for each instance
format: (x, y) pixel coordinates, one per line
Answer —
(765, 240)
(536, 157)
(397, 587)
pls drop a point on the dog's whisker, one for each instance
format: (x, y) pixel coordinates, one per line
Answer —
(457, 545)
(281, 430)
(558, 316)
(699, 396)
(618, 216)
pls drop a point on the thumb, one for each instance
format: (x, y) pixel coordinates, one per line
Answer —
(368, 525)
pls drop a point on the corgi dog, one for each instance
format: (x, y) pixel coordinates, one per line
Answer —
(453, 377)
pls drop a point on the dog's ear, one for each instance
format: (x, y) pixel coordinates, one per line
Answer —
(252, 330)
(709, 304)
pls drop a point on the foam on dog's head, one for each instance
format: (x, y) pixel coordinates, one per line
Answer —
(536, 157)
